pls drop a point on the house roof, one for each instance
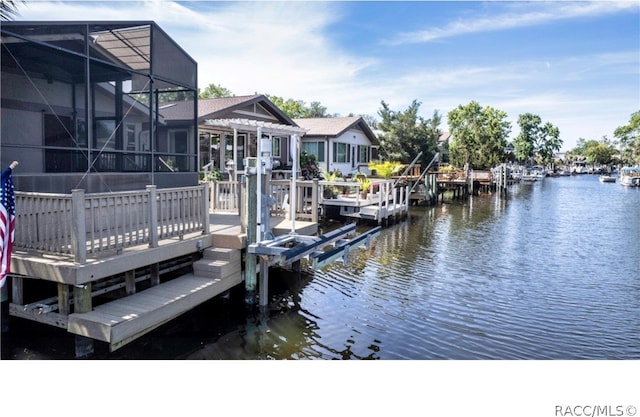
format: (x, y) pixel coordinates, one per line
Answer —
(335, 126)
(444, 137)
(227, 108)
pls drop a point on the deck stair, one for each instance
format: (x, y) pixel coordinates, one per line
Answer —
(124, 320)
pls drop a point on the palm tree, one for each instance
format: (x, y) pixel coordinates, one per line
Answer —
(9, 9)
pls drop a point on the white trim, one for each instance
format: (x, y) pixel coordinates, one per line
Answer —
(254, 125)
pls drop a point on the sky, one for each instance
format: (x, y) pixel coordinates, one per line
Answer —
(574, 64)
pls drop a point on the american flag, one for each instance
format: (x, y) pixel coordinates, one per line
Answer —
(7, 223)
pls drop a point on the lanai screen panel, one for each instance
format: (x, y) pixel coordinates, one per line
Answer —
(76, 102)
(171, 63)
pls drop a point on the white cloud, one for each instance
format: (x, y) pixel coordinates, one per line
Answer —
(286, 49)
(520, 15)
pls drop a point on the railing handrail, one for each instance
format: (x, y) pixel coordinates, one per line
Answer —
(79, 224)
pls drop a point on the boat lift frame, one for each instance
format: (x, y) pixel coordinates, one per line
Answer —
(286, 250)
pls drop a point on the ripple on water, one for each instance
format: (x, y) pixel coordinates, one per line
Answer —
(546, 274)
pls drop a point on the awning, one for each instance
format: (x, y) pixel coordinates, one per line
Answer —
(248, 125)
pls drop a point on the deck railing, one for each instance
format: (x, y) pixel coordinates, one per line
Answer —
(225, 197)
(80, 224)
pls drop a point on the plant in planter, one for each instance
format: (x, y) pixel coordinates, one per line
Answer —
(331, 191)
(386, 169)
(365, 185)
(309, 166)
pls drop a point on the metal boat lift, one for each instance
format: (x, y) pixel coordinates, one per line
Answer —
(286, 250)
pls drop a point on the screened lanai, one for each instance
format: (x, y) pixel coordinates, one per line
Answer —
(80, 106)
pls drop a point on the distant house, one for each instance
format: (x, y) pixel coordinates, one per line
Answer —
(346, 144)
(79, 107)
(217, 118)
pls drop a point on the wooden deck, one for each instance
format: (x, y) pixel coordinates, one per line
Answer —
(121, 321)
(227, 231)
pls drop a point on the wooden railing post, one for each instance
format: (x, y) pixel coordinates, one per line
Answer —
(213, 197)
(205, 208)
(153, 216)
(79, 226)
(314, 201)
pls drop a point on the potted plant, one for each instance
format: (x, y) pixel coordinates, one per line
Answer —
(385, 169)
(365, 185)
(330, 191)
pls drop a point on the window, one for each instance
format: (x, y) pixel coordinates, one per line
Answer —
(178, 141)
(57, 131)
(228, 152)
(314, 148)
(105, 134)
(130, 137)
(341, 152)
(275, 147)
(363, 153)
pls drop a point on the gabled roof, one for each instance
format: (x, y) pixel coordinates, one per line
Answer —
(444, 137)
(335, 126)
(227, 108)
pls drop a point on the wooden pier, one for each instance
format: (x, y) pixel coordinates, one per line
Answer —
(124, 263)
(113, 259)
(379, 203)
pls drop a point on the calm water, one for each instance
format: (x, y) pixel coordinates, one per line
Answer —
(552, 271)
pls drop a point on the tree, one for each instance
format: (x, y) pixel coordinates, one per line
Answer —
(315, 109)
(549, 144)
(405, 134)
(629, 138)
(479, 135)
(536, 139)
(600, 153)
(214, 91)
(293, 108)
(9, 9)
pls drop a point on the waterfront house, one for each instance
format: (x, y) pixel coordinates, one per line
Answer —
(219, 148)
(112, 233)
(345, 144)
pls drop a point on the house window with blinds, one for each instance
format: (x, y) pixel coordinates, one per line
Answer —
(363, 154)
(341, 152)
(314, 148)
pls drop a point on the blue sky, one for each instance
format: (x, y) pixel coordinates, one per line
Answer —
(575, 64)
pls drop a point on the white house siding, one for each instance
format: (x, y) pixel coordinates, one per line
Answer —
(352, 137)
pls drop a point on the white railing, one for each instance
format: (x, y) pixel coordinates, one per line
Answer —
(225, 197)
(103, 223)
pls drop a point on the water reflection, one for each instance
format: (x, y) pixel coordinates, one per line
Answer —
(550, 271)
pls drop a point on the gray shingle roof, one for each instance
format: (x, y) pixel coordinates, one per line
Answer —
(335, 126)
(214, 108)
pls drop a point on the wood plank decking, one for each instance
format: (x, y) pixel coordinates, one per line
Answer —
(121, 321)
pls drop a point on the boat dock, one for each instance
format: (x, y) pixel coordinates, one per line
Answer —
(379, 203)
(118, 265)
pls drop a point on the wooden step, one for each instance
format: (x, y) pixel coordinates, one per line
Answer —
(222, 254)
(231, 238)
(124, 320)
(215, 268)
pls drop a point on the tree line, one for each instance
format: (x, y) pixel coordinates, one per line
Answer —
(478, 135)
